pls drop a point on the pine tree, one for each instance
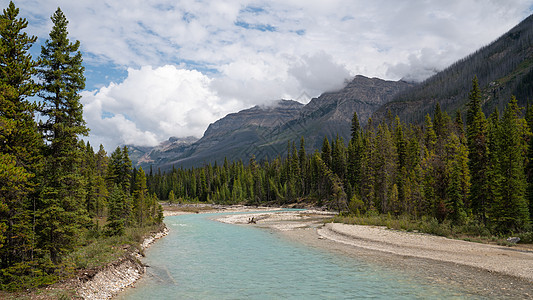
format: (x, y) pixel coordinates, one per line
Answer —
(171, 197)
(326, 152)
(430, 137)
(115, 220)
(478, 155)
(356, 128)
(529, 165)
(20, 140)
(439, 122)
(140, 198)
(62, 214)
(458, 189)
(510, 213)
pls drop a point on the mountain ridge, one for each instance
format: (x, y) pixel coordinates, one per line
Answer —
(263, 131)
(503, 68)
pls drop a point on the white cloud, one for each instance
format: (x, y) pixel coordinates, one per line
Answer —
(247, 52)
(151, 105)
(319, 73)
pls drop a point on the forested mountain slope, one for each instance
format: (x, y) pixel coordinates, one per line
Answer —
(503, 68)
(331, 113)
(263, 131)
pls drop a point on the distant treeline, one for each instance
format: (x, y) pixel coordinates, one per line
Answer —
(56, 194)
(481, 172)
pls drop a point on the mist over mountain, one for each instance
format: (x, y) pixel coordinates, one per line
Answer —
(263, 131)
(503, 68)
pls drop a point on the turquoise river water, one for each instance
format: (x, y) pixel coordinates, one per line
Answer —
(205, 259)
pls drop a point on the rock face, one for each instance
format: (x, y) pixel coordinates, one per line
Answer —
(263, 131)
(331, 113)
(154, 156)
(236, 136)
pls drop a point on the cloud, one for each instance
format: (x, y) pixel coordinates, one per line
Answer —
(319, 72)
(190, 62)
(152, 104)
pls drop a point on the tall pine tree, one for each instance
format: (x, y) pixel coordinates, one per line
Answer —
(510, 212)
(62, 214)
(478, 156)
(20, 141)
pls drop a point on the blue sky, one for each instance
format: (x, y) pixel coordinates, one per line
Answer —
(161, 68)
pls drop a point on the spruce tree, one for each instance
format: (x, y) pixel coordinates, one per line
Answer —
(356, 128)
(326, 152)
(478, 155)
(115, 220)
(20, 140)
(510, 213)
(140, 192)
(62, 213)
(529, 165)
(458, 188)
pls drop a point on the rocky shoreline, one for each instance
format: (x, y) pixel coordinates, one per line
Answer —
(481, 269)
(113, 278)
(492, 258)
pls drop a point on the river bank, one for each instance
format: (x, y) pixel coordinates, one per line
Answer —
(110, 280)
(490, 270)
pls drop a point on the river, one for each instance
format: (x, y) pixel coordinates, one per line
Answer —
(205, 259)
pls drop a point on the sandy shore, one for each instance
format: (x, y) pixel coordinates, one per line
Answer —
(484, 270)
(492, 258)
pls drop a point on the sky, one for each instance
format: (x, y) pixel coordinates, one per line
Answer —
(162, 68)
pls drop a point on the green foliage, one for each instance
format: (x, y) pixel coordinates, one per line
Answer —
(56, 214)
(478, 155)
(20, 141)
(509, 211)
(28, 275)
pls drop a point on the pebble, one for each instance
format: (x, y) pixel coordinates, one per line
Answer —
(116, 277)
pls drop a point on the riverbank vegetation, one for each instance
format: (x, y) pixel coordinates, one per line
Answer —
(453, 177)
(63, 207)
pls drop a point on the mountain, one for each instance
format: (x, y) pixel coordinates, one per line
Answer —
(331, 113)
(503, 68)
(238, 135)
(146, 156)
(263, 131)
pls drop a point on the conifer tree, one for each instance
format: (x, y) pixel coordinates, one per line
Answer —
(115, 220)
(529, 165)
(439, 122)
(140, 198)
(62, 215)
(20, 140)
(478, 155)
(458, 189)
(356, 128)
(326, 152)
(430, 137)
(510, 213)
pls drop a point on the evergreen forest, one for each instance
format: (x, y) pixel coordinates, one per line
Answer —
(62, 202)
(477, 173)
(58, 197)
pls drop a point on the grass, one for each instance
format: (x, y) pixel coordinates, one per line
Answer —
(470, 231)
(104, 250)
(95, 252)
